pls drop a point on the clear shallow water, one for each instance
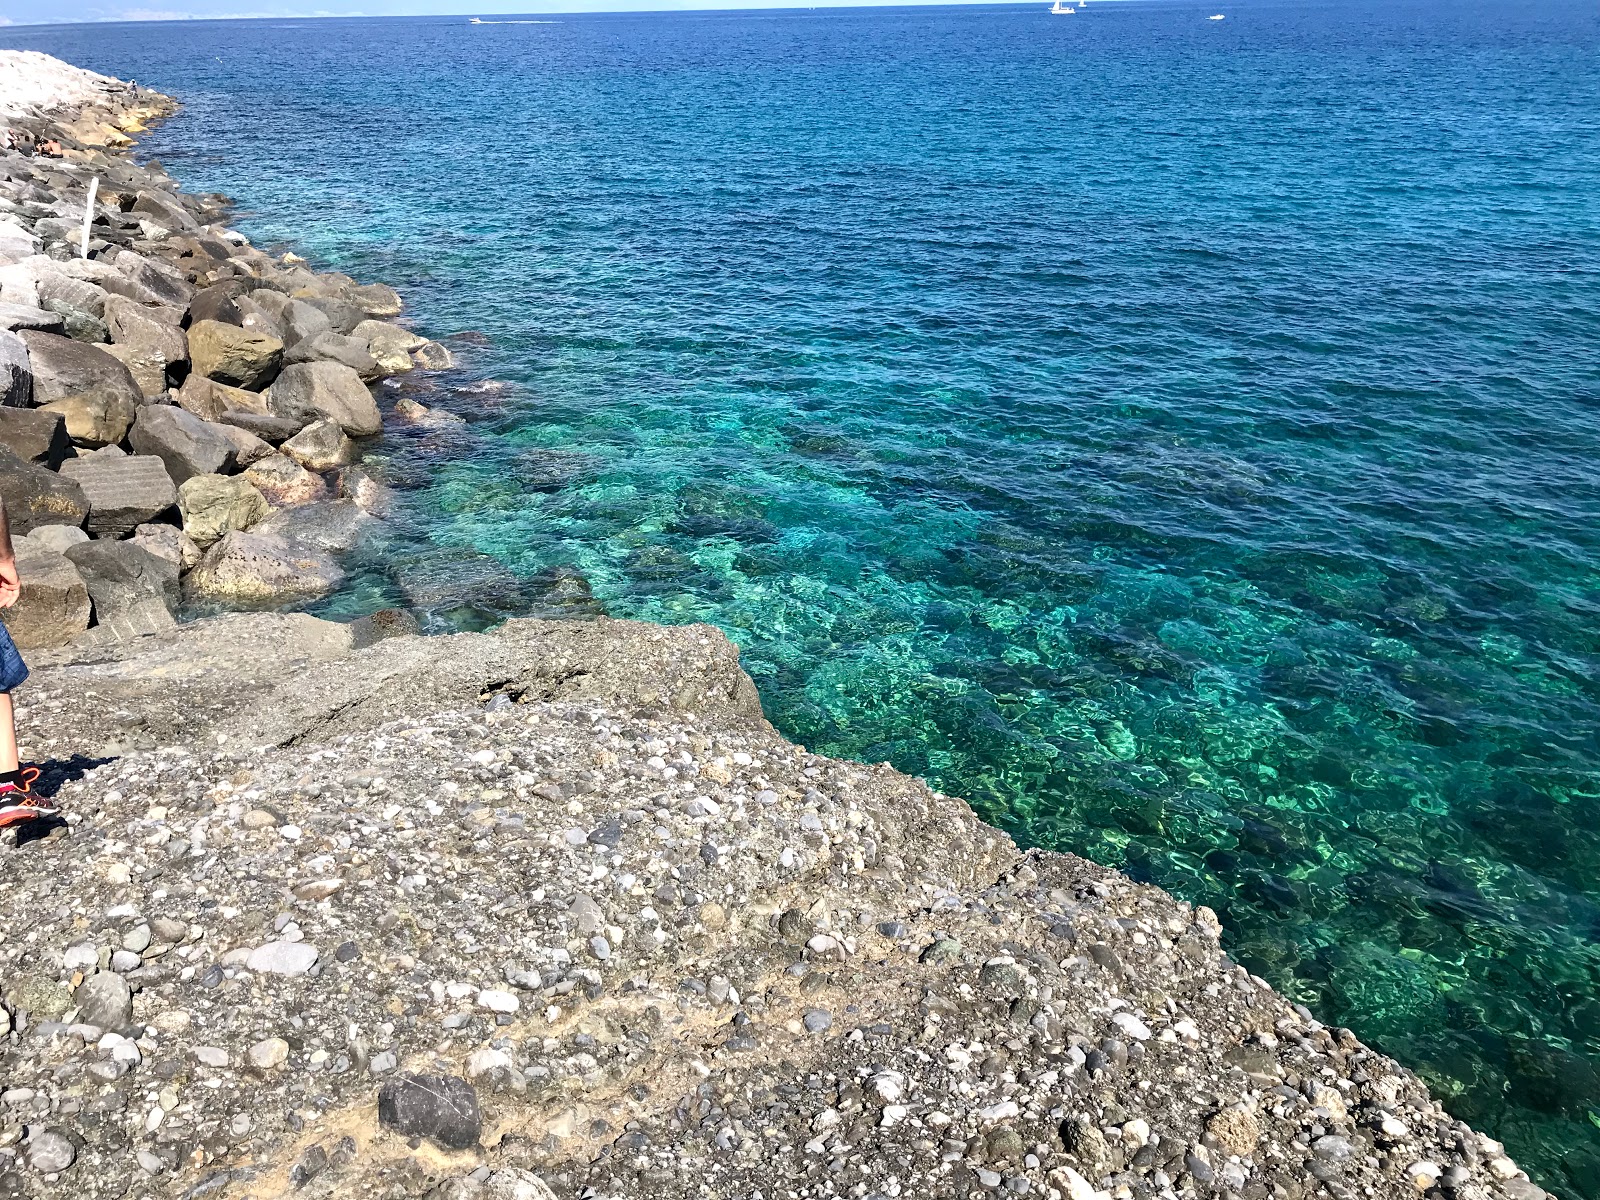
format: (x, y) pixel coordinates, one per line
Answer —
(1180, 437)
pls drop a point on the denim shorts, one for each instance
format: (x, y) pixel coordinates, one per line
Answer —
(12, 669)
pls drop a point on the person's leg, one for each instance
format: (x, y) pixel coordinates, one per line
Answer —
(9, 763)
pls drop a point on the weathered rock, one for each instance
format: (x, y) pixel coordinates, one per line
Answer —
(127, 581)
(94, 392)
(342, 315)
(58, 539)
(217, 303)
(309, 391)
(53, 605)
(234, 356)
(320, 446)
(147, 340)
(250, 568)
(35, 436)
(168, 542)
(51, 1152)
(104, 1000)
(375, 299)
(36, 496)
(16, 376)
(270, 429)
(165, 282)
(442, 1108)
(63, 293)
(165, 209)
(389, 345)
(188, 445)
(122, 491)
(300, 321)
(431, 356)
(214, 505)
(332, 525)
(414, 413)
(17, 317)
(336, 347)
(208, 399)
(247, 447)
(147, 365)
(372, 497)
(284, 482)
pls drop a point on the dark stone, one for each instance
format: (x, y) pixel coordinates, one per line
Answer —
(442, 1108)
(269, 429)
(216, 303)
(35, 496)
(187, 445)
(121, 491)
(36, 436)
(124, 579)
(347, 952)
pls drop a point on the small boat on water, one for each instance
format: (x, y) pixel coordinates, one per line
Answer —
(1217, 17)
(1059, 9)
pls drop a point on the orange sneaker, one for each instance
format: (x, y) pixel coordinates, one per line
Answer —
(18, 803)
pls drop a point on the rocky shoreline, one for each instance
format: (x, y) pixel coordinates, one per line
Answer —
(553, 911)
(180, 412)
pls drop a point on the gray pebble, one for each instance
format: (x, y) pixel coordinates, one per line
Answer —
(819, 1020)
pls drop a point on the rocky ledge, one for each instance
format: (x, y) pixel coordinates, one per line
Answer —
(180, 412)
(553, 911)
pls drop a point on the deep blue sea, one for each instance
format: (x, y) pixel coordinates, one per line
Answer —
(1181, 437)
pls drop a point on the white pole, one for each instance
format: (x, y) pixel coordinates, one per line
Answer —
(88, 216)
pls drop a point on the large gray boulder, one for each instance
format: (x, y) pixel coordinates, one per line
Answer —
(94, 392)
(375, 299)
(208, 399)
(321, 446)
(300, 321)
(333, 525)
(154, 331)
(35, 496)
(389, 345)
(336, 347)
(215, 505)
(309, 391)
(219, 302)
(60, 292)
(36, 436)
(123, 491)
(165, 281)
(285, 483)
(16, 376)
(342, 315)
(128, 584)
(247, 569)
(185, 443)
(17, 317)
(53, 606)
(234, 356)
(166, 211)
(270, 429)
(106, 1001)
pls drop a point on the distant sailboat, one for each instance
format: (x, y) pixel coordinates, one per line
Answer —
(1059, 9)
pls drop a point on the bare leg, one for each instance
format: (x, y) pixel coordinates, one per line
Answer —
(8, 734)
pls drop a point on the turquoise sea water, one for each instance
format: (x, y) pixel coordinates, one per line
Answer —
(1182, 437)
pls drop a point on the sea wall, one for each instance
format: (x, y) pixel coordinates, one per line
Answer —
(181, 411)
(553, 910)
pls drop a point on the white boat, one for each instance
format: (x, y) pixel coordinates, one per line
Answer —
(1217, 17)
(1059, 9)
